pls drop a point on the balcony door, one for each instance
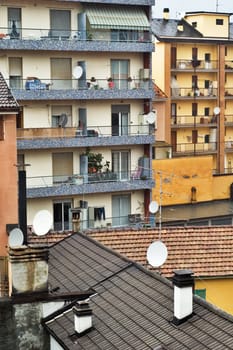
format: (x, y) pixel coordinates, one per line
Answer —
(14, 22)
(121, 164)
(60, 24)
(120, 120)
(15, 72)
(120, 73)
(61, 210)
(61, 73)
(121, 208)
(62, 166)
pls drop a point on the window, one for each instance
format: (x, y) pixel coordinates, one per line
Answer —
(120, 120)
(194, 24)
(1, 127)
(14, 22)
(61, 215)
(120, 164)
(15, 72)
(201, 293)
(61, 73)
(58, 116)
(219, 22)
(62, 166)
(206, 111)
(194, 109)
(120, 73)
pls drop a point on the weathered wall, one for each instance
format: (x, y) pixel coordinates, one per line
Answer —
(20, 327)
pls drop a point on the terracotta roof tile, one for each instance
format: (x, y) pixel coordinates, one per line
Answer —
(207, 251)
(7, 100)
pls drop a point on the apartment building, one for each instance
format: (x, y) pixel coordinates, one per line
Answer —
(81, 72)
(192, 64)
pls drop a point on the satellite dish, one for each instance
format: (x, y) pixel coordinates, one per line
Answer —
(77, 72)
(157, 254)
(216, 110)
(42, 222)
(150, 117)
(153, 207)
(16, 238)
(63, 120)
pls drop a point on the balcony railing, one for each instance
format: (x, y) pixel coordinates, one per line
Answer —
(181, 92)
(90, 178)
(90, 35)
(228, 118)
(229, 65)
(184, 64)
(189, 120)
(90, 131)
(34, 83)
(229, 92)
(193, 148)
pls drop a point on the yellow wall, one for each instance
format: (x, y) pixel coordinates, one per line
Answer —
(179, 175)
(218, 292)
(206, 24)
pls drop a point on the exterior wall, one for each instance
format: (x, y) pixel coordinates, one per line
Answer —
(158, 68)
(206, 24)
(20, 326)
(8, 184)
(218, 292)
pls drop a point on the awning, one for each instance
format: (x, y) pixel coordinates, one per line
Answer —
(117, 18)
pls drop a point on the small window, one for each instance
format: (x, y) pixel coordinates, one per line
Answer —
(206, 111)
(194, 24)
(1, 128)
(201, 293)
(219, 22)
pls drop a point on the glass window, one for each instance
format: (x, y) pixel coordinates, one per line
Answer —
(121, 208)
(120, 73)
(62, 215)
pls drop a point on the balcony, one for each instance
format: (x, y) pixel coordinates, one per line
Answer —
(229, 119)
(187, 121)
(103, 182)
(93, 136)
(32, 88)
(228, 93)
(197, 65)
(182, 93)
(191, 149)
(73, 41)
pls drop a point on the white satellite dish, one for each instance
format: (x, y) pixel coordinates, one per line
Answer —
(157, 254)
(77, 72)
(42, 222)
(153, 207)
(216, 110)
(150, 117)
(16, 238)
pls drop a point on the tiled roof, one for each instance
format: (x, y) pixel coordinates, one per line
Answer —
(132, 307)
(48, 239)
(168, 29)
(7, 100)
(158, 92)
(207, 251)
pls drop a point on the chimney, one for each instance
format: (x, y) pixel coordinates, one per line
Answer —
(180, 26)
(166, 14)
(28, 268)
(82, 317)
(183, 282)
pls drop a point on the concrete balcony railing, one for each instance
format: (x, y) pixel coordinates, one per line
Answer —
(184, 64)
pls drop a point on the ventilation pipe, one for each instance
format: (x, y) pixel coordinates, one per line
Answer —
(82, 317)
(166, 14)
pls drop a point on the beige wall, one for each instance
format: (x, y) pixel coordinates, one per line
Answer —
(206, 24)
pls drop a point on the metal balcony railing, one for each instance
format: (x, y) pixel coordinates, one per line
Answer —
(34, 83)
(185, 92)
(56, 34)
(90, 131)
(189, 120)
(185, 64)
(229, 118)
(194, 148)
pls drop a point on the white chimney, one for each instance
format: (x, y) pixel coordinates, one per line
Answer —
(166, 14)
(82, 317)
(183, 282)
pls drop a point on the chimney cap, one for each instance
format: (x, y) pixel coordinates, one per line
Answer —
(183, 278)
(166, 9)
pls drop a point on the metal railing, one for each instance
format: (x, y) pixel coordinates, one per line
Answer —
(62, 34)
(194, 147)
(80, 179)
(4, 285)
(182, 92)
(193, 120)
(90, 131)
(34, 83)
(185, 64)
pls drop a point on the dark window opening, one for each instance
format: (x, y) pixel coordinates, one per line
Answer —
(219, 22)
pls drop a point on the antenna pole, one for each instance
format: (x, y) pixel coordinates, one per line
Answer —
(216, 5)
(160, 203)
